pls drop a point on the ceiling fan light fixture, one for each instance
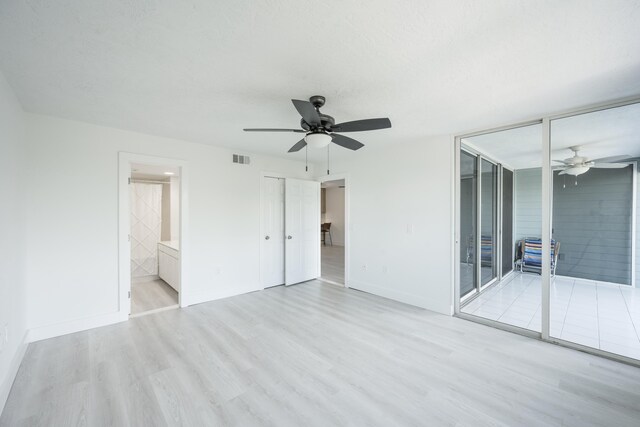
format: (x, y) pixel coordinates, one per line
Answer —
(318, 139)
(577, 170)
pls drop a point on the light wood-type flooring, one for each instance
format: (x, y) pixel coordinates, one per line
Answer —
(151, 295)
(314, 355)
(332, 267)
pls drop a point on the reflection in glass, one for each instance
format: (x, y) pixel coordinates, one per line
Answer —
(488, 218)
(594, 301)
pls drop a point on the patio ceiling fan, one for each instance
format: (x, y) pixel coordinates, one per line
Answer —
(321, 129)
(577, 165)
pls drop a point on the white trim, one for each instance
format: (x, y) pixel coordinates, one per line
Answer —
(546, 227)
(454, 299)
(12, 371)
(396, 295)
(457, 146)
(125, 160)
(216, 294)
(75, 325)
(499, 207)
(473, 149)
(347, 223)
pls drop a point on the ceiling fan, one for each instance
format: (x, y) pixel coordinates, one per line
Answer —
(577, 165)
(322, 129)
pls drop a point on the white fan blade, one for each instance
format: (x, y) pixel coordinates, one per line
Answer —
(609, 165)
(563, 172)
(562, 161)
(611, 159)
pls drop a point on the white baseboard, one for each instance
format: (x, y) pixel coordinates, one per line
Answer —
(400, 296)
(215, 294)
(7, 382)
(76, 325)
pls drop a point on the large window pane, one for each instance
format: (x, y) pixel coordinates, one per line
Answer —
(594, 298)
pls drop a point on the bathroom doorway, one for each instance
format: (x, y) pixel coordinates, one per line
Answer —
(152, 233)
(155, 237)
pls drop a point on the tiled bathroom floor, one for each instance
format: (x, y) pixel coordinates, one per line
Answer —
(600, 315)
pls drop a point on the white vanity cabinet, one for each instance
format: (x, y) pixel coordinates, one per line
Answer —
(169, 263)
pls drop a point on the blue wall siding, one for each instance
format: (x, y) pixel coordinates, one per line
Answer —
(528, 203)
(592, 221)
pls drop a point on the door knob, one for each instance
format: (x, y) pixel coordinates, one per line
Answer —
(289, 237)
(266, 237)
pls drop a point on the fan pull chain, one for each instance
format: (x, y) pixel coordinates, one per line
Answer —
(328, 159)
(576, 181)
(564, 181)
(306, 158)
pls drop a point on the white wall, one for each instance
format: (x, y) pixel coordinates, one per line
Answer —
(401, 222)
(335, 214)
(72, 268)
(12, 244)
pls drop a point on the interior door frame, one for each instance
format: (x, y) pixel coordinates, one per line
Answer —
(125, 160)
(347, 226)
(264, 175)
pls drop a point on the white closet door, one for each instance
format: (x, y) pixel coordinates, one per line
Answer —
(302, 228)
(272, 247)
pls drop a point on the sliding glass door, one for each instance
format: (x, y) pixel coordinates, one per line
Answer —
(508, 230)
(468, 222)
(549, 229)
(478, 222)
(488, 222)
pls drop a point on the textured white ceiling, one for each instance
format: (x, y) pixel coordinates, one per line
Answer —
(203, 70)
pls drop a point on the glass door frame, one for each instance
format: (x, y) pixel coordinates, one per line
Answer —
(476, 233)
(545, 142)
(501, 274)
(477, 255)
(496, 221)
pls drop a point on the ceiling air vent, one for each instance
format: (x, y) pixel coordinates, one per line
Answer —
(243, 160)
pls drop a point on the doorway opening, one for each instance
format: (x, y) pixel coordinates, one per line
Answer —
(332, 231)
(154, 237)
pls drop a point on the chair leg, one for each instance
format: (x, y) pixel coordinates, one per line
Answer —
(330, 238)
